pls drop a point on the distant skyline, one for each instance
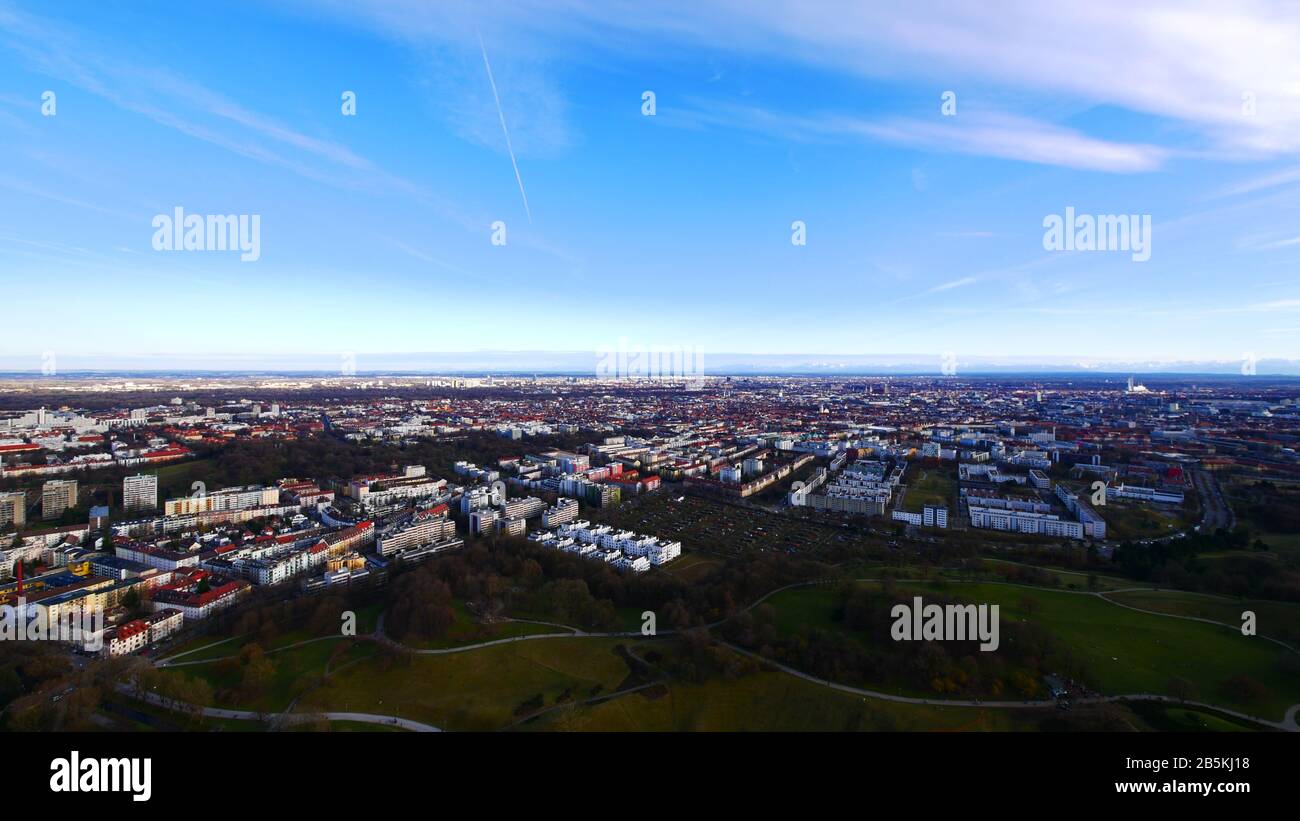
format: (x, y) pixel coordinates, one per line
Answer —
(924, 229)
(607, 365)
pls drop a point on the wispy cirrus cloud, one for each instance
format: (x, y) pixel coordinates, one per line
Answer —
(1258, 244)
(978, 133)
(1179, 62)
(1275, 305)
(175, 102)
(956, 283)
(530, 41)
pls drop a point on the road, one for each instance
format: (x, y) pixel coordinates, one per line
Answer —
(1217, 512)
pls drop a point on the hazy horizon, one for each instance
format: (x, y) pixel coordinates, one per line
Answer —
(586, 363)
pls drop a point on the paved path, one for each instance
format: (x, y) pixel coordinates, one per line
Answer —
(163, 662)
(464, 648)
(592, 700)
(1188, 618)
(168, 662)
(575, 633)
(288, 718)
(1288, 723)
(1100, 594)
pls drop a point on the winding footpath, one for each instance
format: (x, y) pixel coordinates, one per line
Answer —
(574, 633)
(1288, 723)
(284, 718)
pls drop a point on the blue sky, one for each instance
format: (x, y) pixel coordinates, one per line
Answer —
(924, 231)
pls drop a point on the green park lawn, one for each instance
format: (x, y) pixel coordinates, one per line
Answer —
(477, 689)
(770, 701)
(1279, 620)
(220, 644)
(1125, 651)
(929, 487)
(464, 630)
(1131, 521)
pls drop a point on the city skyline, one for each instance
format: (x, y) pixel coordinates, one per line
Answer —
(649, 363)
(925, 216)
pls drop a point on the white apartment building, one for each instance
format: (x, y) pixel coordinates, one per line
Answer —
(420, 532)
(565, 511)
(476, 498)
(1145, 494)
(512, 527)
(1093, 525)
(128, 638)
(233, 498)
(524, 508)
(140, 492)
(13, 509)
(164, 623)
(640, 564)
(605, 543)
(934, 516)
(483, 520)
(1019, 521)
(57, 495)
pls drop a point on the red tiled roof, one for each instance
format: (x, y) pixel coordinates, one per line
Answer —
(131, 628)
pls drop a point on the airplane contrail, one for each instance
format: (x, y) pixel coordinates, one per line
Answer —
(509, 149)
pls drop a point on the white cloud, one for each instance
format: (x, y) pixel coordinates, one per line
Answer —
(1276, 305)
(977, 133)
(1186, 63)
(176, 102)
(956, 283)
(1281, 243)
